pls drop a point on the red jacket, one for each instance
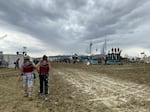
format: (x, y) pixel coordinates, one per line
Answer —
(28, 67)
(44, 67)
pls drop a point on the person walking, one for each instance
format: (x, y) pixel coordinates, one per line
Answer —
(44, 67)
(17, 64)
(27, 74)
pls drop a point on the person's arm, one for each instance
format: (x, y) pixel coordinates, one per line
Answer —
(37, 66)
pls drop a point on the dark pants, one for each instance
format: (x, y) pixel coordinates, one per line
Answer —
(44, 83)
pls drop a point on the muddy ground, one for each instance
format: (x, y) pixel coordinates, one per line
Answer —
(81, 88)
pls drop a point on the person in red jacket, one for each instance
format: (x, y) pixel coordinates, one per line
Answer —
(27, 74)
(44, 67)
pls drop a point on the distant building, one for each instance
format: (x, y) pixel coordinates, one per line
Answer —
(7, 60)
(60, 58)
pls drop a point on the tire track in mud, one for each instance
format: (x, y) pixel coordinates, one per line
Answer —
(116, 94)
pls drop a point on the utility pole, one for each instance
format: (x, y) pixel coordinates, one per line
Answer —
(91, 48)
(105, 47)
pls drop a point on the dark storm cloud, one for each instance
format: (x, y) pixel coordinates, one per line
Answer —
(62, 24)
(111, 17)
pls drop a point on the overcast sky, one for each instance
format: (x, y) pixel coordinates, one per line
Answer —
(54, 27)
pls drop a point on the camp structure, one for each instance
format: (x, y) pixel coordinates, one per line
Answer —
(113, 57)
(8, 60)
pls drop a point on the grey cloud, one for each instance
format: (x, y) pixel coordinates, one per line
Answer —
(112, 16)
(64, 24)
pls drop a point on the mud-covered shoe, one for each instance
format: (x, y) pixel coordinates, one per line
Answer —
(46, 97)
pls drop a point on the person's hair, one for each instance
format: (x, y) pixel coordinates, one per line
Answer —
(44, 57)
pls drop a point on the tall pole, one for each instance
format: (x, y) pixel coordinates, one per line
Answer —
(91, 48)
(105, 47)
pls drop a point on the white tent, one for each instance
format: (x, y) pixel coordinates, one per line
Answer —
(9, 59)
